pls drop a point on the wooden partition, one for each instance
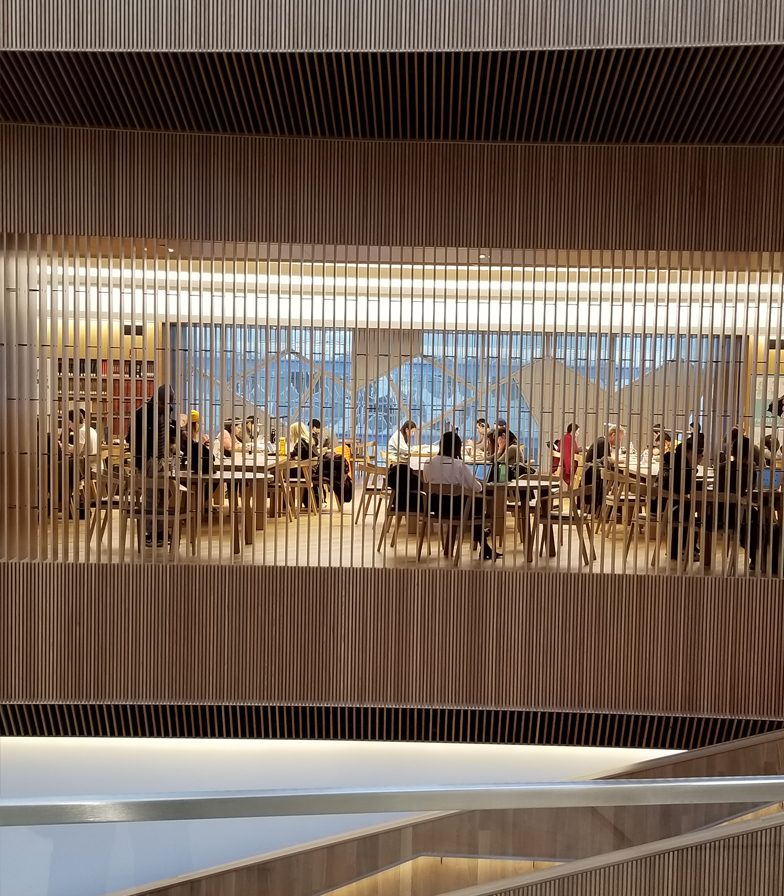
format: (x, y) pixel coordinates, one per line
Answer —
(590, 647)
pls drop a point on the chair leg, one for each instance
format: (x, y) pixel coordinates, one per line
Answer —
(384, 530)
(377, 509)
(399, 517)
(123, 534)
(421, 540)
(628, 543)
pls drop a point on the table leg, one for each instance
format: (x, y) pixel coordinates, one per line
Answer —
(248, 505)
(234, 504)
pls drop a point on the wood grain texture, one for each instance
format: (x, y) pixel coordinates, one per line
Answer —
(208, 634)
(747, 858)
(562, 835)
(382, 24)
(375, 193)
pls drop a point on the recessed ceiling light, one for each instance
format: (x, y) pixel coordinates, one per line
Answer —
(482, 256)
(171, 250)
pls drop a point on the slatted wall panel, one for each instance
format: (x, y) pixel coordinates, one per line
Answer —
(93, 633)
(379, 194)
(745, 857)
(314, 25)
(750, 861)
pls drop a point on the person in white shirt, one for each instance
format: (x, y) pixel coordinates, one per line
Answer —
(86, 438)
(447, 469)
(399, 446)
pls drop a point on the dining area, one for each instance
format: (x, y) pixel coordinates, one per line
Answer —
(249, 496)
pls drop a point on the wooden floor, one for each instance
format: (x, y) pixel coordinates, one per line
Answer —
(332, 538)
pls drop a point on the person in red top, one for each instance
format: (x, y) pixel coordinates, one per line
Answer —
(569, 449)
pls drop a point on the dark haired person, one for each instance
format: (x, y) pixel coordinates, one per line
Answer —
(569, 450)
(480, 442)
(152, 436)
(315, 433)
(500, 424)
(505, 455)
(679, 473)
(85, 438)
(399, 446)
(447, 469)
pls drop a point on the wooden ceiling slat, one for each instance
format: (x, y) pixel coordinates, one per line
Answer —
(117, 65)
(740, 123)
(687, 95)
(269, 121)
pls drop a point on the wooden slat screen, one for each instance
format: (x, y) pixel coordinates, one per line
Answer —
(387, 194)
(82, 633)
(316, 25)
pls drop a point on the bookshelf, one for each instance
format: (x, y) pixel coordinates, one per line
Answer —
(110, 397)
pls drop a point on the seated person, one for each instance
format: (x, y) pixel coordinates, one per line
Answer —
(197, 457)
(229, 441)
(662, 441)
(481, 433)
(679, 476)
(399, 446)
(315, 433)
(502, 453)
(594, 460)
(510, 436)
(734, 479)
(302, 448)
(569, 451)
(80, 448)
(82, 441)
(406, 489)
(447, 469)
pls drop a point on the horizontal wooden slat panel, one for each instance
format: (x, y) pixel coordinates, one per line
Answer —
(164, 186)
(382, 24)
(261, 635)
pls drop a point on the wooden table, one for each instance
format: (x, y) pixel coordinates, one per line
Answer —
(531, 485)
(242, 480)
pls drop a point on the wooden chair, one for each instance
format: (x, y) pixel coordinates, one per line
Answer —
(451, 529)
(665, 524)
(394, 519)
(294, 479)
(568, 507)
(374, 489)
(366, 451)
(639, 492)
(132, 511)
(183, 514)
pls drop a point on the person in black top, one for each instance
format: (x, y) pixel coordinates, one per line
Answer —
(406, 489)
(594, 459)
(679, 473)
(152, 436)
(141, 437)
(734, 480)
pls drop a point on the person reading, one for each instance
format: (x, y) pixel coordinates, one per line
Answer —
(399, 446)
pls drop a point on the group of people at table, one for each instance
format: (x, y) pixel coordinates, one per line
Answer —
(154, 437)
(676, 471)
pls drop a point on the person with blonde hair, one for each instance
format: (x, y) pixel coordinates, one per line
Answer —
(303, 449)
